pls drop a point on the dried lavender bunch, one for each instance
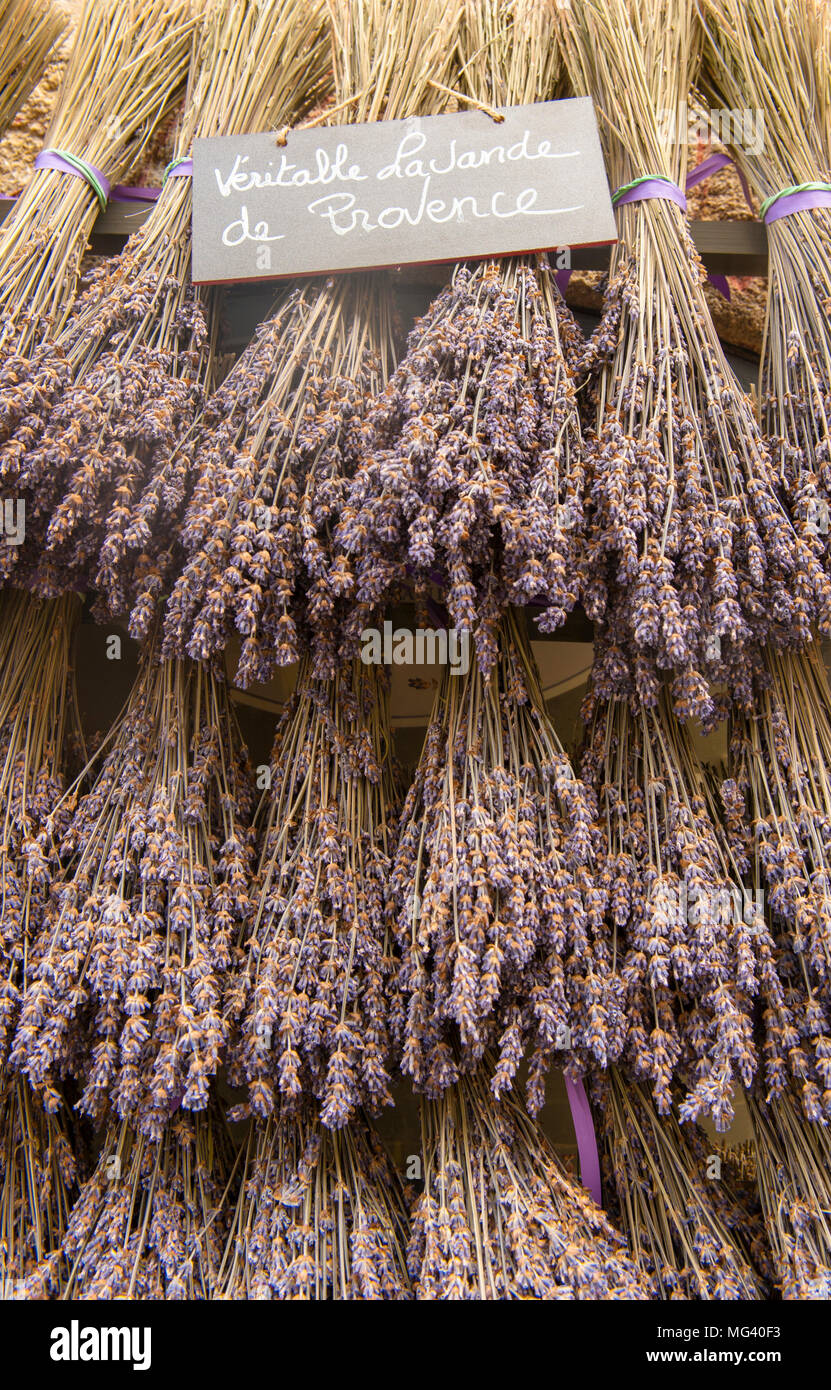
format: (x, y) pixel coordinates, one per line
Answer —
(470, 469)
(311, 996)
(777, 813)
(792, 1171)
(687, 1237)
(151, 1221)
(274, 448)
(39, 738)
(689, 552)
(694, 952)
(321, 1214)
(125, 72)
(126, 989)
(766, 57)
(108, 402)
(38, 1176)
(268, 459)
(29, 30)
(500, 912)
(499, 1217)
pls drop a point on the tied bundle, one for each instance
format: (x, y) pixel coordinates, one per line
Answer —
(499, 910)
(269, 480)
(689, 552)
(694, 953)
(687, 1236)
(321, 1215)
(29, 30)
(764, 57)
(128, 62)
(470, 467)
(39, 736)
(777, 813)
(151, 1221)
(38, 1178)
(123, 381)
(311, 998)
(792, 1171)
(128, 974)
(499, 1218)
(272, 454)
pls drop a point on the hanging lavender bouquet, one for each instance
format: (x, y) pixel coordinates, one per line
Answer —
(687, 1234)
(773, 58)
(129, 970)
(321, 1215)
(470, 471)
(151, 1220)
(311, 998)
(41, 1162)
(689, 555)
(123, 78)
(268, 459)
(500, 913)
(39, 738)
(274, 448)
(792, 1168)
(776, 806)
(93, 429)
(499, 1218)
(694, 952)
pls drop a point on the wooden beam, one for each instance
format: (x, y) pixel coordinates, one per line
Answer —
(736, 247)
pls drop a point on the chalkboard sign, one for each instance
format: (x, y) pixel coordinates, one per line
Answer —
(438, 188)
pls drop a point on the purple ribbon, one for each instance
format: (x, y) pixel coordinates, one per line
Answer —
(720, 283)
(179, 168)
(711, 165)
(586, 1138)
(799, 201)
(562, 278)
(63, 163)
(640, 190)
(124, 194)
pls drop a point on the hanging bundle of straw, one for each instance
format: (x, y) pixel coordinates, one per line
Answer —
(499, 1217)
(687, 1236)
(270, 457)
(130, 369)
(128, 973)
(321, 1214)
(38, 1177)
(311, 994)
(691, 945)
(792, 1171)
(470, 470)
(761, 58)
(689, 551)
(151, 1221)
(126, 69)
(777, 812)
(38, 726)
(499, 912)
(29, 30)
